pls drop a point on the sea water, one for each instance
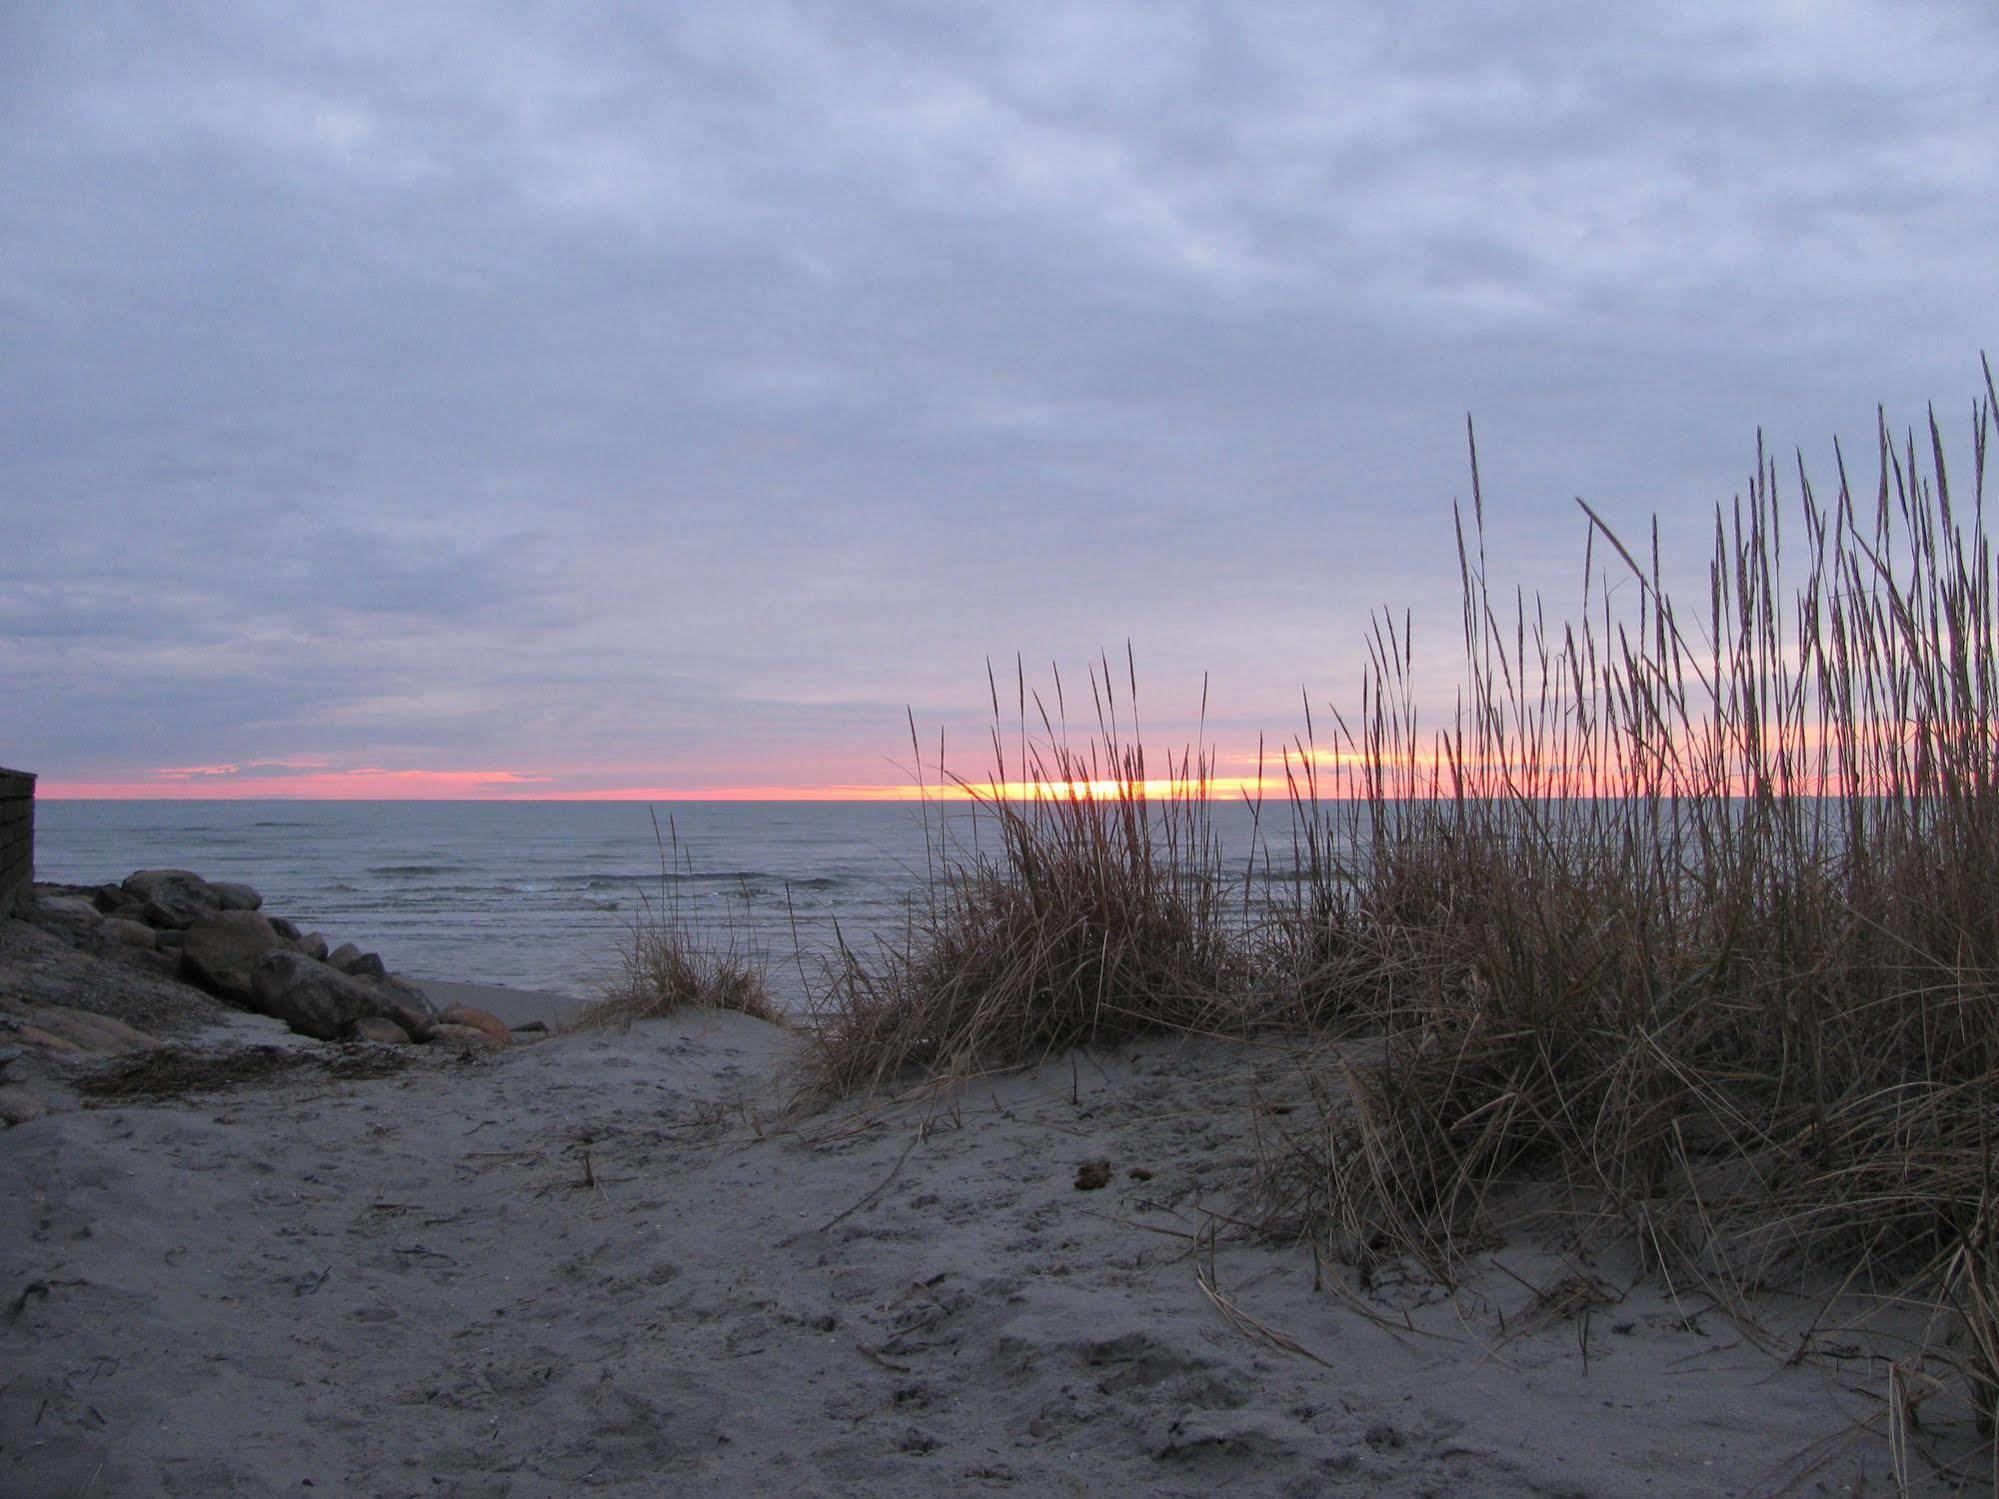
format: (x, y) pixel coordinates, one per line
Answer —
(533, 895)
(536, 895)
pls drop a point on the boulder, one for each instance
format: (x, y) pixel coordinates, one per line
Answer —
(382, 1031)
(221, 953)
(400, 991)
(116, 900)
(368, 966)
(285, 929)
(173, 897)
(487, 1024)
(160, 960)
(342, 955)
(312, 998)
(121, 930)
(468, 1036)
(67, 908)
(47, 1040)
(234, 897)
(419, 1023)
(311, 944)
(59, 1028)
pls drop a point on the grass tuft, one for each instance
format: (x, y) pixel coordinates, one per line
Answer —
(1068, 902)
(675, 959)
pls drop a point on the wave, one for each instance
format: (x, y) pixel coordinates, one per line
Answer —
(415, 869)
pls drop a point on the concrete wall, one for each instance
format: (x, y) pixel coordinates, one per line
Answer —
(17, 836)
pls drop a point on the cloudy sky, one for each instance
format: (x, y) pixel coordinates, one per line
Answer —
(552, 399)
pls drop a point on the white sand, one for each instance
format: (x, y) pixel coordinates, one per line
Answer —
(406, 1286)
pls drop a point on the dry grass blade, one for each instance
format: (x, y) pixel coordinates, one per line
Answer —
(678, 957)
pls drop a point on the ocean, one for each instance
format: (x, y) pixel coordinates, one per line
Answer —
(532, 895)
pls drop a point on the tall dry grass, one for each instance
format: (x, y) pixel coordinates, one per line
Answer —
(1064, 904)
(678, 956)
(1690, 908)
(1693, 907)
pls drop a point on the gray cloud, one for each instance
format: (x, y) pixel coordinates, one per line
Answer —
(686, 389)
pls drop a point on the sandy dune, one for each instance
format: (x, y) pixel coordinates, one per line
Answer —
(602, 1263)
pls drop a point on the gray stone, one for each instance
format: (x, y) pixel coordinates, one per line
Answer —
(368, 966)
(312, 998)
(312, 944)
(419, 1023)
(222, 952)
(234, 897)
(119, 929)
(116, 900)
(173, 897)
(285, 929)
(399, 990)
(342, 955)
(66, 908)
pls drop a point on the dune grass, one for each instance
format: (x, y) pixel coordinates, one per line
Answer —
(677, 956)
(1064, 905)
(1694, 911)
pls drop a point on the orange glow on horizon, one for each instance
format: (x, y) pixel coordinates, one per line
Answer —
(228, 783)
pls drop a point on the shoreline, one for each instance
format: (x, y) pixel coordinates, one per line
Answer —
(516, 1007)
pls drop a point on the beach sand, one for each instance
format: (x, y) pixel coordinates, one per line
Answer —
(609, 1261)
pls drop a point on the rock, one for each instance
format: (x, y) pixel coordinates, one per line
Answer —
(67, 908)
(380, 1031)
(342, 955)
(221, 953)
(420, 1024)
(234, 897)
(368, 966)
(10, 1055)
(312, 998)
(34, 1035)
(400, 991)
(59, 1028)
(173, 897)
(163, 961)
(468, 1036)
(494, 1028)
(116, 900)
(18, 1106)
(285, 929)
(312, 944)
(170, 936)
(530, 1028)
(123, 930)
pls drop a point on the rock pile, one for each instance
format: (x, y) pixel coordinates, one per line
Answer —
(215, 935)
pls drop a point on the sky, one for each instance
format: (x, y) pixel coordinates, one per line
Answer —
(557, 400)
